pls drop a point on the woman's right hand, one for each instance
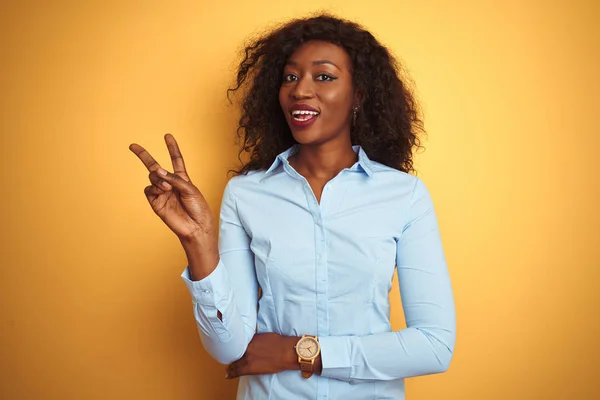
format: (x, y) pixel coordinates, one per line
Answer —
(173, 197)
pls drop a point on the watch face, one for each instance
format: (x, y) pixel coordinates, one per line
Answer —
(308, 348)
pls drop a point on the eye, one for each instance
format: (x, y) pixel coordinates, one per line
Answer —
(289, 77)
(326, 78)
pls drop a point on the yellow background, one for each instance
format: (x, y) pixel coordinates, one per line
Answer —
(92, 306)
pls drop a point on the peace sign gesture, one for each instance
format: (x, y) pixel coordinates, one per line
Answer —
(173, 197)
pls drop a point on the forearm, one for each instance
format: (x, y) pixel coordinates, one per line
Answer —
(387, 356)
(225, 304)
(222, 281)
(224, 326)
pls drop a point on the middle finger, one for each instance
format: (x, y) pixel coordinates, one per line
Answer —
(175, 153)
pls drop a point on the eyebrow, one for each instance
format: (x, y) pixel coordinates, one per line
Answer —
(317, 62)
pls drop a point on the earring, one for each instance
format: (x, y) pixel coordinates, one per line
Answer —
(355, 111)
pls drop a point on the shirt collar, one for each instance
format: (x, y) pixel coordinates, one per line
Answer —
(363, 163)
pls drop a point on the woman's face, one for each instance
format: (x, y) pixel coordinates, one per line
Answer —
(317, 94)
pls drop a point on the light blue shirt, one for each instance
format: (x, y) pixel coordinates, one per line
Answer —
(326, 269)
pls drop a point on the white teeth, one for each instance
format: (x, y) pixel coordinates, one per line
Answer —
(304, 112)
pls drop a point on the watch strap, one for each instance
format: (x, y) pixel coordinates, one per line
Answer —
(306, 367)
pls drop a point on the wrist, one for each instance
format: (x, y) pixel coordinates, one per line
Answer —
(199, 239)
(202, 254)
(290, 356)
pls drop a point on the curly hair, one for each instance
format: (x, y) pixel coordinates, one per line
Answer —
(388, 123)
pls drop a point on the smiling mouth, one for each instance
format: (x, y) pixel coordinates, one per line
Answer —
(303, 115)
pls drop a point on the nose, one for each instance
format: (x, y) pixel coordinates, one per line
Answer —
(303, 89)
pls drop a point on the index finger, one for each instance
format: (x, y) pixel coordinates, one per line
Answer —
(175, 153)
(146, 158)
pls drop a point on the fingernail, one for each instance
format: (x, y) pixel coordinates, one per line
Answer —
(162, 172)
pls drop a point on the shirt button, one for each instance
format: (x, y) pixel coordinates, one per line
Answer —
(206, 291)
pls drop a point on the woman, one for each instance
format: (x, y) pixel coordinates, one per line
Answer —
(318, 219)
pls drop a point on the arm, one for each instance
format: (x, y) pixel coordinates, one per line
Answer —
(225, 302)
(426, 345)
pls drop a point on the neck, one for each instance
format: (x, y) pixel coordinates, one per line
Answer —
(323, 162)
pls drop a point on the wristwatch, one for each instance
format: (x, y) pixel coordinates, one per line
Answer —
(308, 349)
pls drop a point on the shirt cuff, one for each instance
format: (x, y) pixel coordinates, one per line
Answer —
(210, 296)
(212, 290)
(335, 357)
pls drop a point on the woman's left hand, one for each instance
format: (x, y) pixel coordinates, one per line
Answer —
(267, 353)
